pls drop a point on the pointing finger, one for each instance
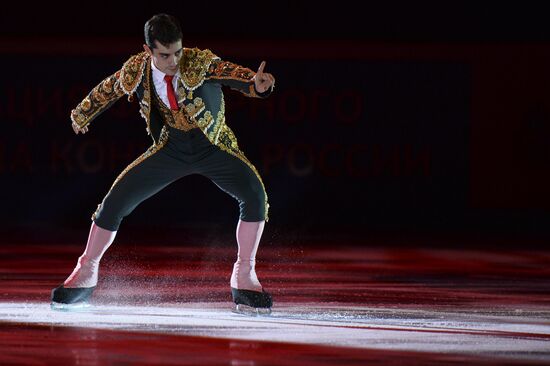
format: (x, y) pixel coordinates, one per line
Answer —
(261, 68)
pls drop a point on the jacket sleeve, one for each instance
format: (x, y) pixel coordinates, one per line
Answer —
(98, 100)
(236, 77)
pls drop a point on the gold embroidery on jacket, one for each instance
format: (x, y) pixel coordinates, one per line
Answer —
(145, 103)
(220, 120)
(195, 107)
(228, 70)
(176, 119)
(97, 100)
(180, 91)
(225, 70)
(228, 143)
(205, 121)
(124, 81)
(132, 72)
(193, 67)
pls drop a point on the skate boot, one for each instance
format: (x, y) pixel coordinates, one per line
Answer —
(251, 302)
(74, 293)
(67, 298)
(247, 292)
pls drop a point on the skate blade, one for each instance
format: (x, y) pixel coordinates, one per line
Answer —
(251, 311)
(79, 306)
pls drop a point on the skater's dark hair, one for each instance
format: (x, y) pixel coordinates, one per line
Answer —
(163, 28)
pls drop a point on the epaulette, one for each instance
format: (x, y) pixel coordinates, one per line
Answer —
(194, 65)
(132, 72)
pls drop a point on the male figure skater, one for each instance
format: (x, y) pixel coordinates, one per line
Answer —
(180, 95)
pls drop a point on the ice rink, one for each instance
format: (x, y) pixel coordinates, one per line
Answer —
(393, 306)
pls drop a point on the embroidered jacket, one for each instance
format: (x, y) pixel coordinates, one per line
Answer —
(202, 76)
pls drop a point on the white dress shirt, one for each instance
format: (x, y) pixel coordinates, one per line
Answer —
(160, 84)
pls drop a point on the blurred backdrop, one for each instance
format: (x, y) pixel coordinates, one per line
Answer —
(410, 118)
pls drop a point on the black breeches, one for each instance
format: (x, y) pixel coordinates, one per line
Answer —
(183, 154)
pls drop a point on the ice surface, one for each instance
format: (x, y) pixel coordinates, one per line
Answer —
(485, 333)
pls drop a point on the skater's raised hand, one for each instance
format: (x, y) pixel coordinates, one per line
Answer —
(263, 80)
(78, 129)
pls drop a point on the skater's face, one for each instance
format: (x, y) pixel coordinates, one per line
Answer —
(166, 59)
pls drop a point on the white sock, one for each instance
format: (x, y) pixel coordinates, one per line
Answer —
(86, 271)
(248, 238)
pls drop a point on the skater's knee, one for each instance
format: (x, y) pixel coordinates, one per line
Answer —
(103, 220)
(253, 207)
(108, 217)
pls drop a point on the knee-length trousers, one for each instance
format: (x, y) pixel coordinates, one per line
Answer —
(184, 153)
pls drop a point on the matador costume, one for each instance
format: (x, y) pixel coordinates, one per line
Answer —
(194, 139)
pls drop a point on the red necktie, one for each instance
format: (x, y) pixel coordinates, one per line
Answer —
(170, 91)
